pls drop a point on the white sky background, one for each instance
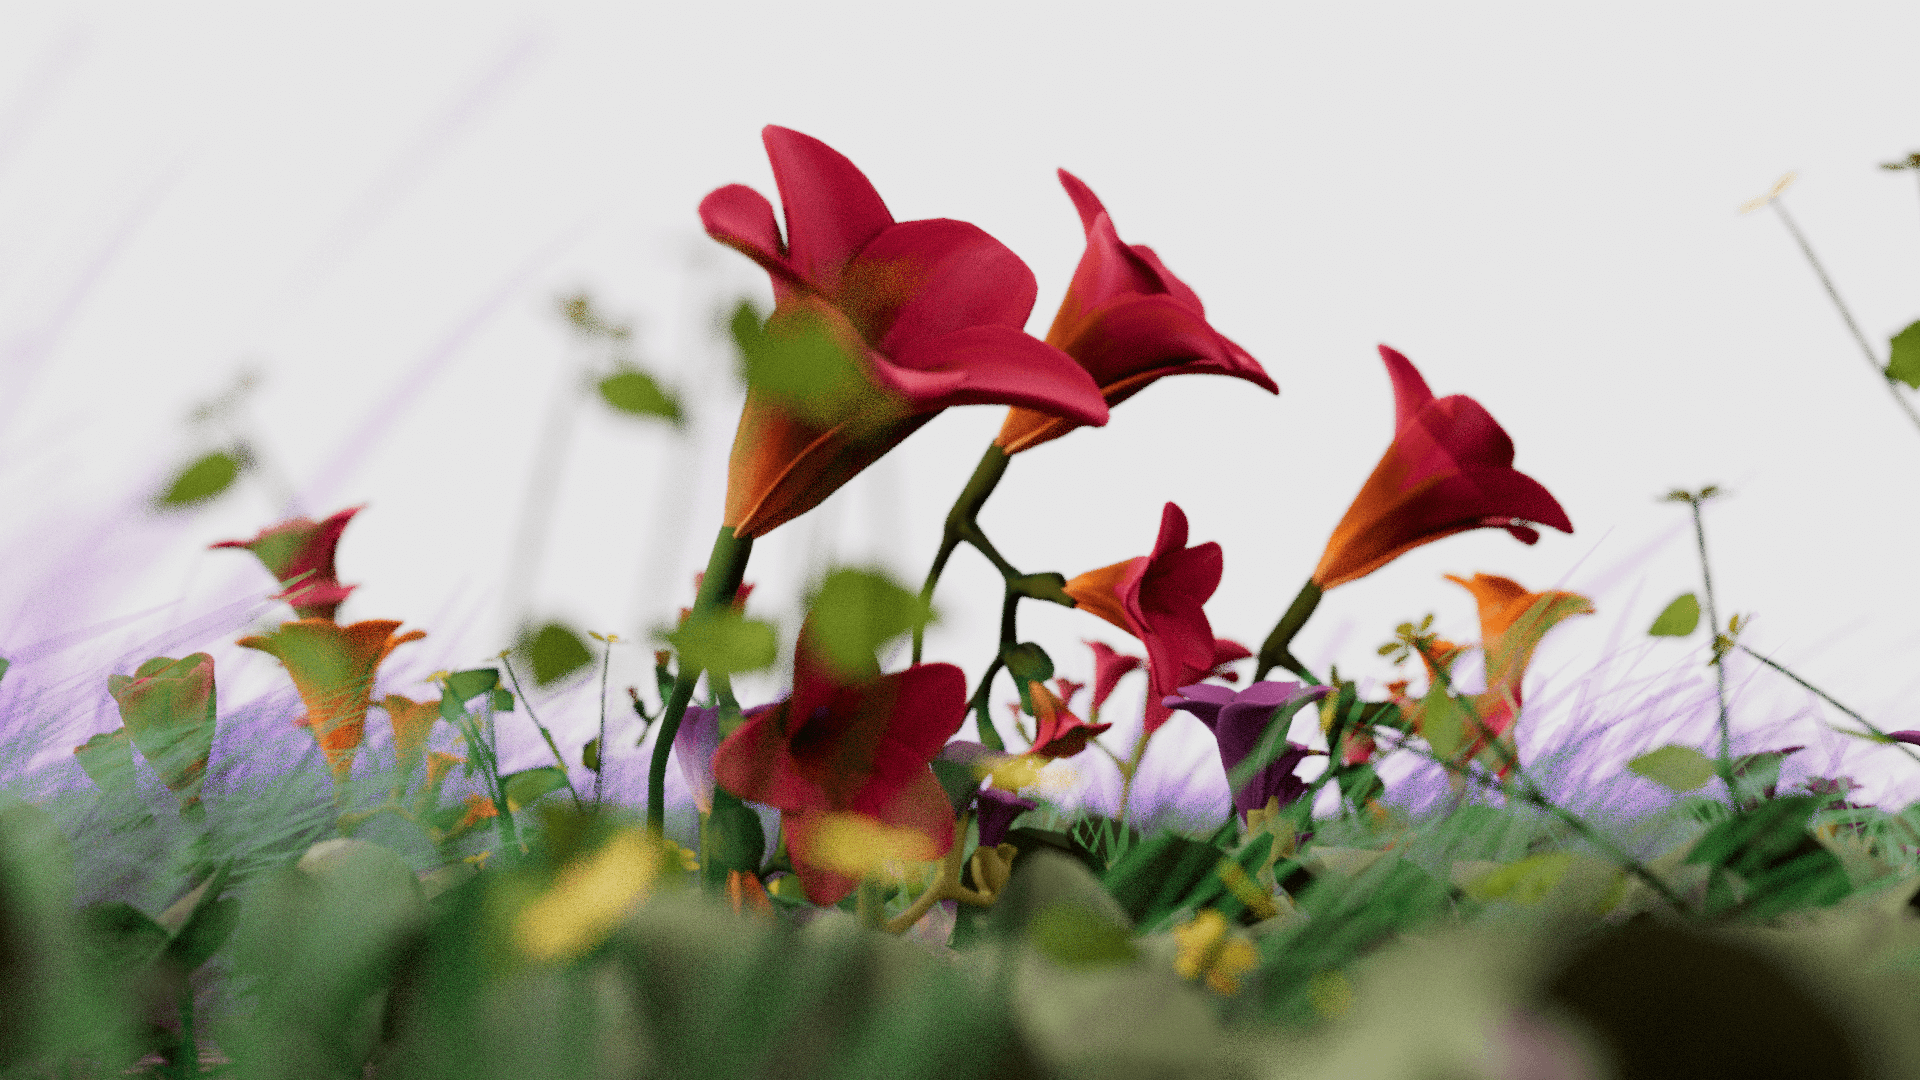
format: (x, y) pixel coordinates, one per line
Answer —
(376, 205)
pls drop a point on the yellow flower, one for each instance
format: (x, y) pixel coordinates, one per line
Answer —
(1208, 948)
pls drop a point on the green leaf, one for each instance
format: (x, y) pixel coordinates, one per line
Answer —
(1678, 619)
(856, 611)
(799, 363)
(958, 780)
(555, 652)
(467, 685)
(201, 480)
(208, 921)
(1903, 361)
(1527, 881)
(730, 839)
(527, 785)
(722, 640)
(635, 393)
(1443, 723)
(1028, 663)
(502, 699)
(590, 754)
(4, 665)
(107, 759)
(1677, 768)
(1073, 936)
(121, 937)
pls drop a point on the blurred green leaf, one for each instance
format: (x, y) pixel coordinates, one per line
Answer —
(554, 651)
(590, 754)
(1677, 768)
(635, 393)
(1071, 935)
(527, 785)
(467, 685)
(730, 839)
(1678, 619)
(502, 699)
(208, 920)
(107, 759)
(121, 937)
(856, 611)
(1443, 723)
(799, 363)
(1903, 362)
(4, 665)
(958, 780)
(201, 480)
(1527, 881)
(721, 640)
(1027, 662)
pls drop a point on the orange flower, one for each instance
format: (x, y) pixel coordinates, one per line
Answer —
(1057, 732)
(412, 722)
(333, 668)
(1512, 622)
(1448, 469)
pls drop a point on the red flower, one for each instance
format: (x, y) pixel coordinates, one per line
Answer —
(1057, 732)
(930, 311)
(1108, 667)
(1448, 469)
(299, 554)
(837, 747)
(1128, 321)
(333, 668)
(1158, 598)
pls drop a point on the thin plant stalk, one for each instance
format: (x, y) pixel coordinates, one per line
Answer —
(544, 733)
(1866, 351)
(606, 662)
(1724, 761)
(1828, 698)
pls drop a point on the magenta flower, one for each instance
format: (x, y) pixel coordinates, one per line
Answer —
(1241, 721)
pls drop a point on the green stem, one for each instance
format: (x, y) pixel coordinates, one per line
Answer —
(1845, 315)
(544, 733)
(606, 662)
(1130, 770)
(1724, 763)
(961, 525)
(1824, 696)
(1273, 651)
(726, 566)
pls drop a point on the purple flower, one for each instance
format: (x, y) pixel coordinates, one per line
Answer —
(1241, 721)
(997, 809)
(693, 746)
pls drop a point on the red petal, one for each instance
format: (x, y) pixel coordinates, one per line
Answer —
(832, 209)
(1001, 366)
(742, 219)
(925, 279)
(1156, 334)
(1084, 200)
(1410, 393)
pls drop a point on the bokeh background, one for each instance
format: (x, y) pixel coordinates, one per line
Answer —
(371, 210)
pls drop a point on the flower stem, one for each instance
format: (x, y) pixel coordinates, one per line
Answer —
(1724, 763)
(1845, 315)
(1828, 698)
(544, 733)
(606, 662)
(1273, 651)
(726, 566)
(1130, 770)
(961, 525)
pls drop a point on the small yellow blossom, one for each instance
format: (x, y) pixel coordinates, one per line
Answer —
(589, 898)
(1207, 947)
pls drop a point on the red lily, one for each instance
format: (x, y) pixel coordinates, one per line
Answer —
(837, 747)
(333, 668)
(299, 554)
(930, 311)
(1128, 321)
(1108, 667)
(1158, 598)
(1448, 469)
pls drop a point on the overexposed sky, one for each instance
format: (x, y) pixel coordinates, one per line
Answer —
(374, 206)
